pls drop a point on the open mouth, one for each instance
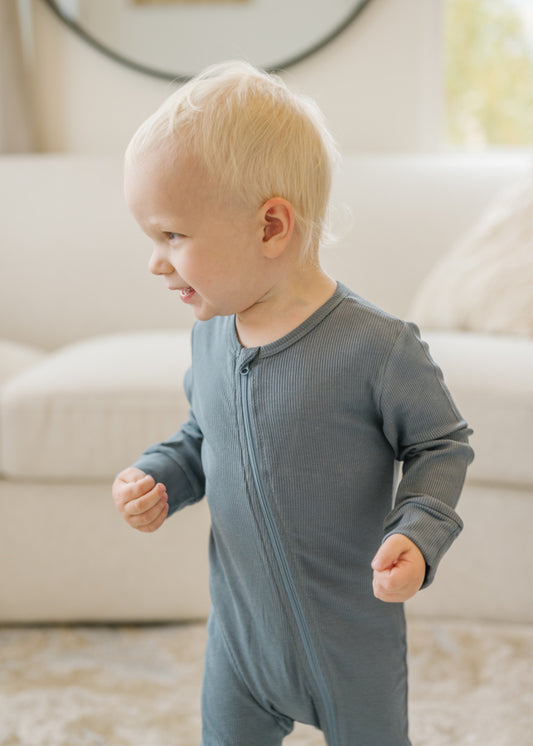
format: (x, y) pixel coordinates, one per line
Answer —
(186, 293)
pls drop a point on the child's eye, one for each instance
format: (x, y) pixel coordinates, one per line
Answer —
(174, 236)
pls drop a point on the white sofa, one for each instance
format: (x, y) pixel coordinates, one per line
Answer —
(91, 364)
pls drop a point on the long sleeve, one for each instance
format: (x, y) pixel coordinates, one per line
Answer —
(430, 438)
(177, 463)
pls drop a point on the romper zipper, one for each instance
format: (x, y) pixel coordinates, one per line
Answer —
(282, 562)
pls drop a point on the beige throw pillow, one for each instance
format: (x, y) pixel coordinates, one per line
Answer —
(485, 284)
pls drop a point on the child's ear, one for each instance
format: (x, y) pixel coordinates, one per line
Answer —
(278, 226)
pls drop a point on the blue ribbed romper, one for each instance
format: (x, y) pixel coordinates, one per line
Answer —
(297, 446)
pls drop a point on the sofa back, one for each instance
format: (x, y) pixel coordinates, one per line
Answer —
(74, 264)
(407, 213)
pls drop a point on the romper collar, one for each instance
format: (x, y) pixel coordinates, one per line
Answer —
(293, 336)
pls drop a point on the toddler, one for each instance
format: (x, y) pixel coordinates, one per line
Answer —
(303, 399)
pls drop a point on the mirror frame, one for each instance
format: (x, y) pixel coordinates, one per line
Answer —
(182, 78)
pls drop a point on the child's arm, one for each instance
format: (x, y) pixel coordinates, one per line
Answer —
(140, 501)
(430, 438)
(167, 477)
(399, 569)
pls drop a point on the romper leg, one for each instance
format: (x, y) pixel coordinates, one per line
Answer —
(230, 714)
(370, 691)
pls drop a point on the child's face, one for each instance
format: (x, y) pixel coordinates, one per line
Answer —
(207, 249)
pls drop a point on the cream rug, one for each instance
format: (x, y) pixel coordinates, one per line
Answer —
(140, 686)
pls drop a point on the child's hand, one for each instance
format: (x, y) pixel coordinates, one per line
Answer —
(399, 569)
(141, 502)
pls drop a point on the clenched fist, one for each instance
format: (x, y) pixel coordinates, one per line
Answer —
(141, 502)
(399, 569)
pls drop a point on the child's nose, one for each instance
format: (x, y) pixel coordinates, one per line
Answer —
(158, 264)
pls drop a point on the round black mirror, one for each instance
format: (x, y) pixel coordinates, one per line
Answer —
(175, 39)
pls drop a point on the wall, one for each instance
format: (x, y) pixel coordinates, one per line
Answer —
(378, 84)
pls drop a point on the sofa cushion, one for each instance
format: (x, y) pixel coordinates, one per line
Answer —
(491, 380)
(15, 357)
(89, 409)
(485, 284)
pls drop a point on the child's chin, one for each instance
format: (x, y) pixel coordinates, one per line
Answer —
(202, 313)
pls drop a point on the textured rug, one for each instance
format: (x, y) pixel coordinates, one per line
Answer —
(140, 686)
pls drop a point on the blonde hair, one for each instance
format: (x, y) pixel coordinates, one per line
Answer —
(255, 138)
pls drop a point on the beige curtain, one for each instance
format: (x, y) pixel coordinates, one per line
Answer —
(15, 122)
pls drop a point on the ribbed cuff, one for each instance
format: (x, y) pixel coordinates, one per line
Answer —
(430, 524)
